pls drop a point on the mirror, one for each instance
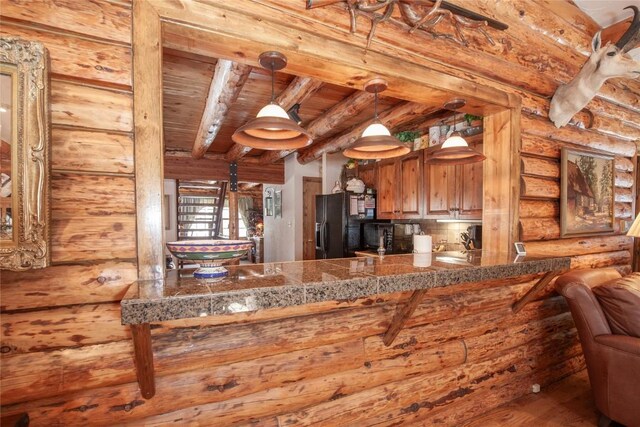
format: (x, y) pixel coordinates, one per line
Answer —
(24, 155)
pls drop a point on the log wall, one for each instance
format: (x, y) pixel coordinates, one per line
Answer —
(66, 360)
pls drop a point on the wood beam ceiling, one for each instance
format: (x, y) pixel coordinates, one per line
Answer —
(392, 118)
(323, 125)
(299, 90)
(180, 165)
(227, 83)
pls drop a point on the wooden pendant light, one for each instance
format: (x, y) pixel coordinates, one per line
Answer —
(376, 142)
(272, 129)
(455, 150)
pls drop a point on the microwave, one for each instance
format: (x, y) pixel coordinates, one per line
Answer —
(373, 231)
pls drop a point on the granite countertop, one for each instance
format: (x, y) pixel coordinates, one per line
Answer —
(262, 286)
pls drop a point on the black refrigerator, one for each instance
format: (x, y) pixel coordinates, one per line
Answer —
(339, 223)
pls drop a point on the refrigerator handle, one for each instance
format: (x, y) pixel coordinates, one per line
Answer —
(325, 240)
(319, 237)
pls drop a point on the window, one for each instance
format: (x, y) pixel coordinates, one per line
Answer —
(242, 227)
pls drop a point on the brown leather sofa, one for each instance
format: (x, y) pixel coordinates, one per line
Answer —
(613, 361)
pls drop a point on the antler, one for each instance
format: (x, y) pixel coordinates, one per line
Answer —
(361, 7)
(434, 15)
(632, 35)
(427, 21)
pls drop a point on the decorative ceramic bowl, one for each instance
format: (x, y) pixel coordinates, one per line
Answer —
(210, 254)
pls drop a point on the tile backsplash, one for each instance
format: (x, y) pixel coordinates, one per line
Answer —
(447, 233)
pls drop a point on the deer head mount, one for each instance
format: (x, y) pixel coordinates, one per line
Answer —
(604, 63)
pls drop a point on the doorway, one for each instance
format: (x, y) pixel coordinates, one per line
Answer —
(311, 187)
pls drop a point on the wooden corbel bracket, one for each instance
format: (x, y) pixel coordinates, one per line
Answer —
(143, 354)
(535, 290)
(402, 314)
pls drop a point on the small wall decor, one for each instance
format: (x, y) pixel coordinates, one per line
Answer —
(418, 15)
(586, 193)
(268, 201)
(277, 204)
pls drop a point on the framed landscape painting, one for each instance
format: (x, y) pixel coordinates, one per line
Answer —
(586, 193)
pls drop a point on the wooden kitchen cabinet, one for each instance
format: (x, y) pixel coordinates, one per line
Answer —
(451, 189)
(399, 186)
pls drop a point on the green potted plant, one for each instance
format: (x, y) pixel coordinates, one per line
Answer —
(473, 121)
(409, 136)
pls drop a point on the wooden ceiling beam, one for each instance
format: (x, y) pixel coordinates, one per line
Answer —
(208, 156)
(211, 168)
(323, 125)
(392, 118)
(299, 90)
(226, 84)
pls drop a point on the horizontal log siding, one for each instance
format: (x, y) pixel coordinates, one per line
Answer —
(66, 360)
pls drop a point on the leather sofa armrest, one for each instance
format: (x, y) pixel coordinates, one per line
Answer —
(620, 342)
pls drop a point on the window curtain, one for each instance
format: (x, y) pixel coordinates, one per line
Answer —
(245, 203)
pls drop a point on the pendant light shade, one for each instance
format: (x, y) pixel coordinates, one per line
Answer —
(455, 150)
(376, 141)
(272, 129)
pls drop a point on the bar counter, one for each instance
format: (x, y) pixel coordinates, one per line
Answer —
(271, 285)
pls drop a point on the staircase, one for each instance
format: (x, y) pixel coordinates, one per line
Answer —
(200, 205)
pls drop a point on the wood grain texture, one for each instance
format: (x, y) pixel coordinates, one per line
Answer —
(149, 147)
(579, 246)
(402, 314)
(603, 259)
(501, 170)
(226, 84)
(110, 237)
(97, 197)
(143, 355)
(532, 229)
(197, 387)
(67, 285)
(91, 151)
(79, 58)
(325, 362)
(539, 208)
(57, 328)
(543, 128)
(574, 392)
(539, 187)
(533, 292)
(540, 167)
(184, 168)
(97, 19)
(76, 105)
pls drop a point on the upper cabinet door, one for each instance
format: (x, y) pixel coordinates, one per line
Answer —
(440, 192)
(410, 170)
(470, 185)
(388, 189)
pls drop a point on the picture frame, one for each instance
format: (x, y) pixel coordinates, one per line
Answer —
(587, 196)
(26, 152)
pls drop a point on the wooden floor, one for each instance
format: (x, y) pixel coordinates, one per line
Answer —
(565, 403)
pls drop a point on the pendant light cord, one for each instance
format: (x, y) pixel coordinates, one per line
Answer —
(375, 105)
(273, 98)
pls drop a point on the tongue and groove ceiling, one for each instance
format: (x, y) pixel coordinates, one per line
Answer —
(186, 80)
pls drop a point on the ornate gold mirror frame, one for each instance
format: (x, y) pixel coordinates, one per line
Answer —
(24, 237)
